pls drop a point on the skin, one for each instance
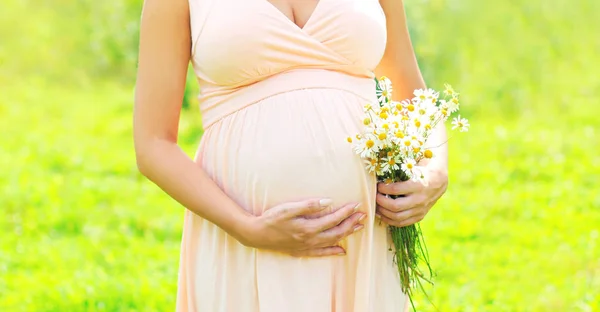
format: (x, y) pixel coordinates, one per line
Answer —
(399, 64)
(164, 54)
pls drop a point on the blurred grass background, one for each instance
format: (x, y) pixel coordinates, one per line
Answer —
(518, 229)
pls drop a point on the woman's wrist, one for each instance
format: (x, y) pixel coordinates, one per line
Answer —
(246, 229)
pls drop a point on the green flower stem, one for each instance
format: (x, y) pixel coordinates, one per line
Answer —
(409, 250)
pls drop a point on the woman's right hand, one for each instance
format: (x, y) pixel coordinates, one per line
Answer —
(301, 229)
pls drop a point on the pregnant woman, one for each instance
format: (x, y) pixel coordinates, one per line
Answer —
(281, 215)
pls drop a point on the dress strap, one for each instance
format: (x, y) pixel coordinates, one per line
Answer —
(199, 12)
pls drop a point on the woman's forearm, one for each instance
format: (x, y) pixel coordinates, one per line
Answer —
(399, 64)
(437, 143)
(164, 163)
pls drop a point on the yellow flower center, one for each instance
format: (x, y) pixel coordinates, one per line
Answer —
(428, 127)
(422, 111)
(391, 161)
(382, 136)
(399, 134)
(410, 107)
(417, 123)
(445, 112)
(428, 154)
(422, 97)
(416, 149)
(383, 115)
(349, 139)
(370, 143)
(367, 121)
(385, 126)
(407, 143)
(384, 93)
(455, 100)
(409, 165)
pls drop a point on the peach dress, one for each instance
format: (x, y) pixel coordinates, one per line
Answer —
(278, 102)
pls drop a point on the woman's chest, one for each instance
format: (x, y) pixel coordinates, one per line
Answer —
(257, 37)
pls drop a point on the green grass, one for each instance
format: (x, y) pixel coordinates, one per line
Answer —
(518, 230)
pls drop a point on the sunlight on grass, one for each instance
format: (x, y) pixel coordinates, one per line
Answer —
(517, 230)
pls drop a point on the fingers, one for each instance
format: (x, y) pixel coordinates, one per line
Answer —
(320, 252)
(347, 227)
(335, 218)
(400, 188)
(304, 207)
(398, 204)
(403, 223)
(401, 215)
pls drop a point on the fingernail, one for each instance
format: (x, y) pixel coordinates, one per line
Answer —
(358, 227)
(325, 202)
(362, 217)
(356, 207)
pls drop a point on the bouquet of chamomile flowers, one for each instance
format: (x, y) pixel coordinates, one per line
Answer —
(392, 145)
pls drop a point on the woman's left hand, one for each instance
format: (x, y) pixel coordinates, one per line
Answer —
(417, 197)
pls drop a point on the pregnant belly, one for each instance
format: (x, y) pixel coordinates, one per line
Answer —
(288, 147)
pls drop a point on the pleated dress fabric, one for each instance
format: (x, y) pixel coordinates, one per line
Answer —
(277, 103)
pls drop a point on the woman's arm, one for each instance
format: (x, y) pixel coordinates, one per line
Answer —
(164, 54)
(399, 64)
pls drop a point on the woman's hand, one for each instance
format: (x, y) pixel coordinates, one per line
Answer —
(399, 64)
(293, 228)
(416, 199)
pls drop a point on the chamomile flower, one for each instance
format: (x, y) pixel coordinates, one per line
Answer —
(425, 95)
(409, 166)
(397, 106)
(406, 142)
(453, 105)
(382, 136)
(416, 121)
(449, 91)
(427, 109)
(383, 112)
(384, 92)
(391, 162)
(394, 137)
(395, 133)
(371, 164)
(367, 146)
(460, 124)
(444, 108)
